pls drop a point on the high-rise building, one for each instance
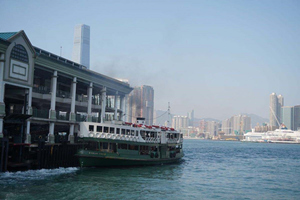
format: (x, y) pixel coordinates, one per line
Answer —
(81, 48)
(279, 105)
(180, 122)
(212, 129)
(226, 126)
(276, 102)
(287, 116)
(237, 124)
(202, 126)
(191, 116)
(141, 104)
(297, 117)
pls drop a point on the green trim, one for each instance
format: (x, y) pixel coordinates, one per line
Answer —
(52, 114)
(29, 111)
(89, 118)
(72, 117)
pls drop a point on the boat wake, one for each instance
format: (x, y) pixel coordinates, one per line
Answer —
(10, 177)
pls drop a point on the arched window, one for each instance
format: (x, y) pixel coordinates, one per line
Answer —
(19, 53)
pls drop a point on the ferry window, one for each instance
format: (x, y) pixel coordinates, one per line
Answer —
(105, 129)
(136, 133)
(133, 147)
(91, 128)
(123, 131)
(99, 128)
(112, 130)
(132, 132)
(127, 132)
(118, 130)
(122, 146)
(93, 146)
(113, 147)
(105, 145)
(143, 133)
(144, 150)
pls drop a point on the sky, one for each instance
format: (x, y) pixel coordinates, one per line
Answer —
(220, 58)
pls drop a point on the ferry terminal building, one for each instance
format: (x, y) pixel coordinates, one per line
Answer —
(43, 95)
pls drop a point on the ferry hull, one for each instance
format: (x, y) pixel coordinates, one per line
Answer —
(107, 162)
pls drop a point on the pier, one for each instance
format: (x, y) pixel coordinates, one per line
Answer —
(43, 98)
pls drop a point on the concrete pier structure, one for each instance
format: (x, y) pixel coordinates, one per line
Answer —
(43, 95)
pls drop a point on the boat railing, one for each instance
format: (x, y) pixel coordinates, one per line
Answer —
(181, 140)
(152, 140)
(113, 136)
(172, 140)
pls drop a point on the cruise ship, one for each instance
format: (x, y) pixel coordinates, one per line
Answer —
(281, 135)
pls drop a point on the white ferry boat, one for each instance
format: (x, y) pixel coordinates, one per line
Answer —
(126, 144)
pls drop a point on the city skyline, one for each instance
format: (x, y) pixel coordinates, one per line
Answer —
(218, 64)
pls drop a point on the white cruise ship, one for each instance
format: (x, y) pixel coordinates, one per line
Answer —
(281, 135)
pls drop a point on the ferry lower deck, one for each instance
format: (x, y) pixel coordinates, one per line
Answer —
(105, 152)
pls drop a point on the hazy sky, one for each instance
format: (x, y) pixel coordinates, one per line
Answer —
(219, 58)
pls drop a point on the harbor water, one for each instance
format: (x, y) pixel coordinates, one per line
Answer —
(209, 170)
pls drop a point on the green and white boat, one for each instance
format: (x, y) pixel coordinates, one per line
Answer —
(126, 144)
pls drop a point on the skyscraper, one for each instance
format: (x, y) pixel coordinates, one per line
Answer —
(81, 48)
(237, 124)
(287, 116)
(141, 104)
(191, 117)
(279, 105)
(180, 122)
(276, 102)
(297, 117)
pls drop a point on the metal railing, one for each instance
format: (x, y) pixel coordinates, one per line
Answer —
(81, 98)
(95, 119)
(63, 94)
(170, 140)
(80, 118)
(41, 89)
(62, 116)
(40, 113)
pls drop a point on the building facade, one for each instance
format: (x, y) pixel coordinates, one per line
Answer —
(180, 122)
(141, 104)
(81, 48)
(43, 95)
(297, 117)
(276, 102)
(291, 117)
(287, 116)
(238, 125)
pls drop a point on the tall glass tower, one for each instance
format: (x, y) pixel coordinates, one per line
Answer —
(81, 48)
(276, 103)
